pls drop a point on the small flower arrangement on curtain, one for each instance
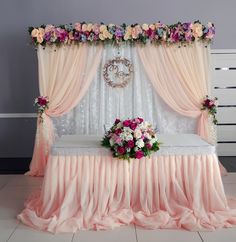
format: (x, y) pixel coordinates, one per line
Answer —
(211, 106)
(141, 33)
(41, 103)
(131, 138)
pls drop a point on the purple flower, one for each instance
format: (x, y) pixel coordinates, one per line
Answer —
(118, 33)
(186, 26)
(174, 35)
(47, 36)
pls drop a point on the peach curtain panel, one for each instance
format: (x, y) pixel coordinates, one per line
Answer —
(65, 74)
(181, 77)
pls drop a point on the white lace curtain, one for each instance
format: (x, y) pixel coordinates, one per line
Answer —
(103, 104)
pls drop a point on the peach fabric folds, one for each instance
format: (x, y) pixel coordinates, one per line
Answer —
(180, 77)
(101, 192)
(65, 74)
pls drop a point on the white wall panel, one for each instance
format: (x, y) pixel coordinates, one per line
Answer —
(223, 87)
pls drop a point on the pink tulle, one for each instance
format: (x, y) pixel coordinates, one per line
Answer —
(100, 192)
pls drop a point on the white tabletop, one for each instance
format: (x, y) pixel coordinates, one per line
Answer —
(170, 144)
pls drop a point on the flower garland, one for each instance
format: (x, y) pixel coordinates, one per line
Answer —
(41, 103)
(131, 138)
(211, 106)
(159, 33)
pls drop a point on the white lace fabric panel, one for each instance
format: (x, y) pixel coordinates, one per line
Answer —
(103, 104)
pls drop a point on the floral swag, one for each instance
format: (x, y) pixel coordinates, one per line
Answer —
(180, 33)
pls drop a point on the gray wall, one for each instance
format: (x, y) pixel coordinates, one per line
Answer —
(18, 64)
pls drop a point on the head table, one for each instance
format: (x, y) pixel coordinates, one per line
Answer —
(84, 187)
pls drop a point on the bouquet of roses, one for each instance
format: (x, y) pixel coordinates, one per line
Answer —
(211, 106)
(131, 138)
(41, 103)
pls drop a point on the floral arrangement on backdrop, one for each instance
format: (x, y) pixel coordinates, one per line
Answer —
(131, 138)
(111, 33)
(211, 106)
(41, 103)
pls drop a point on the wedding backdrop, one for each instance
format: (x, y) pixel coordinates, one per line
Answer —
(91, 74)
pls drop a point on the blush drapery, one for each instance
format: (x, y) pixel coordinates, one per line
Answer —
(65, 74)
(101, 192)
(181, 77)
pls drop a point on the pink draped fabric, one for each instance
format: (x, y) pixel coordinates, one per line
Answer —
(180, 77)
(100, 192)
(65, 74)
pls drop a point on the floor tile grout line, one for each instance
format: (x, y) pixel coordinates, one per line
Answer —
(136, 235)
(72, 239)
(13, 232)
(200, 236)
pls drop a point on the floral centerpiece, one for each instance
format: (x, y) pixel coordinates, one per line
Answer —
(41, 103)
(211, 106)
(131, 138)
(158, 33)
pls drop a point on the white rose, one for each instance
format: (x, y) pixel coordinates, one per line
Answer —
(145, 27)
(35, 33)
(140, 143)
(137, 134)
(127, 130)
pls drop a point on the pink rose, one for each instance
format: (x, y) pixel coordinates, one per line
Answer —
(126, 123)
(133, 126)
(118, 131)
(140, 120)
(121, 150)
(118, 140)
(139, 154)
(42, 101)
(130, 144)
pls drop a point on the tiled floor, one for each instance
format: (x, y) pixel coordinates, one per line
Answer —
(15, 188)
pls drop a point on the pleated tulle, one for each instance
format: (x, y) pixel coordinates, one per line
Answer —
(99, 192)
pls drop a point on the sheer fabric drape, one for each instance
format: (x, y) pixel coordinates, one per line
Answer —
(180, 77)
(102, 103)
(65, 75)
